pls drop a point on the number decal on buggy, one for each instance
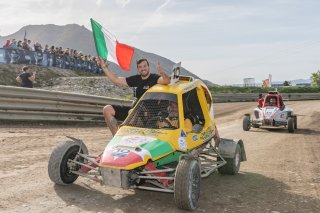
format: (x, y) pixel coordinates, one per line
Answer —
(120, 152)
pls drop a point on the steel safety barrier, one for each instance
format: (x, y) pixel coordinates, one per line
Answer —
(30, 104)
(17, 103)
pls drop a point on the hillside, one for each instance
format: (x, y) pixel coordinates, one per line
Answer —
(68, 36)
(80, 38)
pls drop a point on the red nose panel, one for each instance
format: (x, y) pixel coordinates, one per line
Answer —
(120, 158)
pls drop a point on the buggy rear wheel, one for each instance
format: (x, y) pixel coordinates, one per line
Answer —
(295, 122)
(246, 123)
(233, 164)
(291, 124)
(187, 184)
(59, 167)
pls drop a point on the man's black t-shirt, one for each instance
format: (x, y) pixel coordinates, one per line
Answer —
(142, 85)
(25, 82)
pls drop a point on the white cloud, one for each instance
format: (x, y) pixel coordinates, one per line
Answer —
(122, 3)
(153, 18)
(99, 2)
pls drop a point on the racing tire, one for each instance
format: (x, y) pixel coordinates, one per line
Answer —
(187, 184)
(246, 123)
(58, 169)
(232, 166)
(295, 122)
(291, 124)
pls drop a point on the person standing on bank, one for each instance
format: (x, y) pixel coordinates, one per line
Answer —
(142, 81)
(26, 79)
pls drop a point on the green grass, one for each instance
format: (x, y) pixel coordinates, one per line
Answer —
(288, 89)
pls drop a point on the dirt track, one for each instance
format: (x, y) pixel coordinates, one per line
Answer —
(281, 174)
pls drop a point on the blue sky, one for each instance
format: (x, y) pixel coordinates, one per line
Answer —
(221, 41)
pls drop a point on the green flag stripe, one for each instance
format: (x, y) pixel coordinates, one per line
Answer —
(157, 148)
(99, 40)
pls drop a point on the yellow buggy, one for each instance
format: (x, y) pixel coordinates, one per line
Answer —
(168, 142)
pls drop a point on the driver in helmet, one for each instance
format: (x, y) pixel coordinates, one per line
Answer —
(172, 120)
(273, 101)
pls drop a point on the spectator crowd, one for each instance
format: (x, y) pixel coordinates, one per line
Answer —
(24, 52)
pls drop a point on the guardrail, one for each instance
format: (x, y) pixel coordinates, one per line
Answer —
(239, 97)
(26, 104)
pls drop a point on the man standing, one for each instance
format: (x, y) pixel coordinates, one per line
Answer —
(260, 102)
(26, 78)
(143, 81)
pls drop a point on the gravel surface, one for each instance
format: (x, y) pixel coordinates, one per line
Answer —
(281, 174)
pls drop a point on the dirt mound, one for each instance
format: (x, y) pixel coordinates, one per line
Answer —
(65, 80)
(100, 86)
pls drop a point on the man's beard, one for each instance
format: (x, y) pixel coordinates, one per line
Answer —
(145, 75)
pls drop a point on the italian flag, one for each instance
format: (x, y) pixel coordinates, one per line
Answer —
(109, 48)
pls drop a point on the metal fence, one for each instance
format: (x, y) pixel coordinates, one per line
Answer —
(17, 56)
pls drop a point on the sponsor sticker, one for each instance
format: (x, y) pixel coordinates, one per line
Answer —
(183, 134)
(134, 141)
(120, 152)
(182, 143)
(207, 134)
(195, 137)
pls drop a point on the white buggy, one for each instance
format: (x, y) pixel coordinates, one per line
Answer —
(273, 113)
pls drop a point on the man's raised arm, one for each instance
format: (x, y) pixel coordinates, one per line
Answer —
(164, 77)
(120, 81)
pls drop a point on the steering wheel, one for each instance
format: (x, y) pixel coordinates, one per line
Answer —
(168, 123)
(162, 118)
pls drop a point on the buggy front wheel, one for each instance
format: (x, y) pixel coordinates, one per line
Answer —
(59, 166)
(187, 184)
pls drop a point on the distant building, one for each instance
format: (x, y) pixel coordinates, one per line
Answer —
(277, 84)
(249, 82)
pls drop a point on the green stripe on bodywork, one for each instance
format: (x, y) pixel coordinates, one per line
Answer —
(173, 157)
(157, 148)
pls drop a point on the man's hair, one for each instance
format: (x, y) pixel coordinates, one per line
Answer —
(25, 68)
(142, 60)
